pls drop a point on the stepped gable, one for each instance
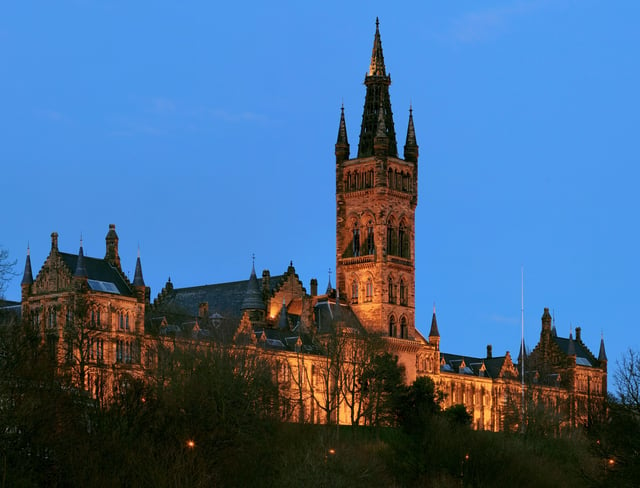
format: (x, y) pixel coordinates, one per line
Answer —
(285, 340)
(101, 275)
(225, 299)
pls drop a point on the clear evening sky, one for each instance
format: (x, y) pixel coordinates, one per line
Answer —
(205, 131)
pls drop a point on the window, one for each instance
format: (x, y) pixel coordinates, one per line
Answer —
(392, 297)
(354, 292)
(52, 322)
(356, 240)
(121, 320)
(404, 330)
(392, 326)
(69, 317)
(98, 318)
(403, 247)
(403, 292)
(391, 240)
(369, 291)
(126, 321)
(370, 241)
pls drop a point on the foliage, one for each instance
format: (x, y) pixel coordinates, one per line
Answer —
(627, 380)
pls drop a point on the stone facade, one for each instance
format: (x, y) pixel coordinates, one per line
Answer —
(100, 326)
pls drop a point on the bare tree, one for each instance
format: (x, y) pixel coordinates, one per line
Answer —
(627, 379)
(6, 270)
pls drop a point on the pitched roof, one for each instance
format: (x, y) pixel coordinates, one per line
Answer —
(101, 275)
(224, 298)
(584, 357)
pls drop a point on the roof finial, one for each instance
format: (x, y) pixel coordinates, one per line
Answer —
(377, 23)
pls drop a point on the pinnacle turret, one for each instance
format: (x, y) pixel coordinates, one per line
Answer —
(138, 280)
(27, 277)
(376, 66)
(602, 355)
(434, 332)
(411, 145)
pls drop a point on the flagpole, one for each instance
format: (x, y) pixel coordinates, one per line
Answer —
(522, 339)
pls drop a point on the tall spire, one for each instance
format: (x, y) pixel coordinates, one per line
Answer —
(81, 268)
(329, 285)
(377, 98)
(376, 66)
(342, 129)
(411, 145)
(27, 277)
(138, 280)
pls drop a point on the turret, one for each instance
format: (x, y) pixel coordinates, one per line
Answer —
(112, 247)
(27, 276)
(434, 333)
(546, 321)
(81, 267)
(253, 302)
(602, 355)
(138, 281)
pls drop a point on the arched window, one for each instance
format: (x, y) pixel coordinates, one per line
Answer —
(392, 295)
(392, 326)
(403, 242)
(404, 331)
(369, 290)
(391, 239)
(121, 320)
(356, 239)
(354, 292)
(390, 178)
(126, 321)
(403, 292)
(370, 241)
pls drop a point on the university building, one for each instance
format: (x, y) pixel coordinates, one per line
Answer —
(100, 325)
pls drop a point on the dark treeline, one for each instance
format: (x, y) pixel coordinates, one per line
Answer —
(212, 417)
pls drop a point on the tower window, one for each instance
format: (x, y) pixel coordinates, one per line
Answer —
(369, 291)
(404, 332)
(354, 292)
(356, 240)
(391, 240)
(370, 240)
(392, 326)
(403, 292)
(403, 242)
(392, 295)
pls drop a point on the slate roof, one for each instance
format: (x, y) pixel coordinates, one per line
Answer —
(473, 365)
(328, 315)
(223, 298)
(584, 357)
(99, 270)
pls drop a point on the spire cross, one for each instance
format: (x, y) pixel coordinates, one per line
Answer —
(253, 258)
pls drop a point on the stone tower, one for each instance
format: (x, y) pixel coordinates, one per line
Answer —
(376, 197)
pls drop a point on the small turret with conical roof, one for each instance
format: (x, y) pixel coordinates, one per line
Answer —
(253, 302)
(27, 277)
(434, 333)
(139, 286)
(602, 354)
(81, 267)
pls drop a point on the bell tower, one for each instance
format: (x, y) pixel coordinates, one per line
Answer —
(376, 198)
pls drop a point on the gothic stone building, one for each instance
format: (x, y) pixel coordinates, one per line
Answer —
(374, 295)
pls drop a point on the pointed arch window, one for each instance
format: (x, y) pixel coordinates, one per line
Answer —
(369, 291)
(392, 294)
(403, 292)
(391, 239)
(392, 326)
(370, 240)
(404, 330)
(354, 291)
(356, 239)
(403, 242)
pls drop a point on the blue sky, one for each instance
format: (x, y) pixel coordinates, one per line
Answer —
(206, 133)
